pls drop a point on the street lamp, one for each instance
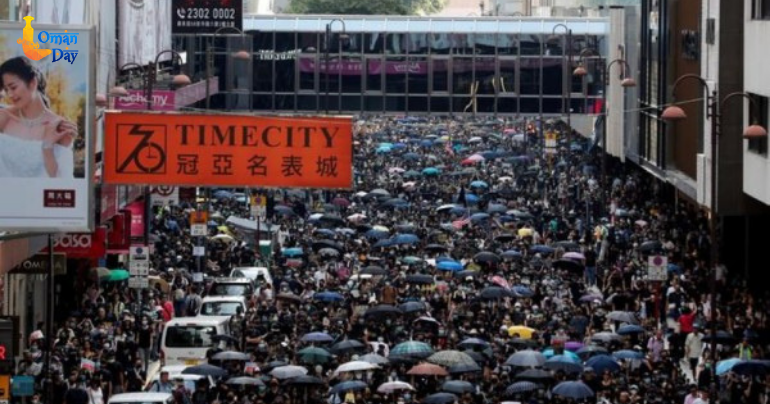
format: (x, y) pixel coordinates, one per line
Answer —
(754, 131)
(328, 37)
(567, 79)
(626, 82)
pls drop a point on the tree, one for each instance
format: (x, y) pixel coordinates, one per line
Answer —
(365, 7)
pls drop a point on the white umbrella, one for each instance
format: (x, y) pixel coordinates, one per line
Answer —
(288, 372)
(374, 358)
(445, 207)
(224, 237)
(392, 387)
(355, 366)
(505, 179)
(357, 217)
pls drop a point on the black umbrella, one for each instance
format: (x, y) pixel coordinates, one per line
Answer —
(420, 279)
(382, 310)
(494, 292)
(348, 345)
(505, 237)
(231, 356)
(436, 248)
(205, 370)
(305, 381)
(440, 398)
(321, 244)
(486, 257)
(374, 270)
(568, 265)
(722, 337)
(534, 374)
(412, 307)
(521, 387)
(245, 381)
(458, 386)
(464, 368)
(567, 245)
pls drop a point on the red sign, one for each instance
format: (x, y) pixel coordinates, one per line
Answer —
(137, 219)
(82, 245)
(119, 236)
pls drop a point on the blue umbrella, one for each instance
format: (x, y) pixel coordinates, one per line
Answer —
(542, 249)
(564, 363)
(383, 150)
(440, 398)
(602, 363)
(406, 239)
(384, 244)
(549, 353)
(523, 291)
(458, 386)
(521, 387)
(471, 198)
(526, 358)
(628, 329)
(411, 156)
(627, 354)
(445, 258)
(727, 365)
(292, 252)
(752, 367)
(449, 266)
(430, 171)
(511, 254)
(479, 184)
(573, 390)
(328, 296)
(317, 337)
(376, 234)
(426, 143)
(458, 210)
(399, 146)
(477, 217)
(386, 144)
(350, 385)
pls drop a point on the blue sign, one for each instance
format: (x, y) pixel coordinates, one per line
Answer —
(22, 386)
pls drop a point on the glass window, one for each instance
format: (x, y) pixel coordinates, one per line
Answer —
(350, 75)
(529, 105)
(462, 75)
(373, 74)
(374, 43)
(507, 44)
(530, 44)
(485, 44)
(397, 44)
(308, 41)
(462, 43)
(395, 104)
(485, 75)
(284, 75)
(373, 103)
(262, 74)
(231, 289)
(440, 43)
(507, 105)
(418, 104)
(395, 75)
(418, 43)
(190, 336)
(354, 43)
(284, 102)
(507, 79)
(262, 101)
(758, 114)
(351, 103)
(220, 308)
(439, 104)
(440, 75)
(485, 104)
(285, 41)
(307, 69)
(553, 76)
(530, 76)
(552, 105)
(418, 75)
(307, 103)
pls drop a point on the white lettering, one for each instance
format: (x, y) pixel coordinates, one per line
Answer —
(158, 100)
(73, 241)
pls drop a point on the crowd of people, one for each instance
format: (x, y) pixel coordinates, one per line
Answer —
(468, 264)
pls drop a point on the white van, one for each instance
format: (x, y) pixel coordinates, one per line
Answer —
(142, 398)
(222, 306)
(186, 340)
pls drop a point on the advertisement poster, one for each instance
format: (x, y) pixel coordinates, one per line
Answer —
(205, 16)
(177, 149)
(46, 127)
(137, 219)
(137, 43)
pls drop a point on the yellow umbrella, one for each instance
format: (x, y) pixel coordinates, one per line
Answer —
(224, 230)
(525, 232)
(523, 331)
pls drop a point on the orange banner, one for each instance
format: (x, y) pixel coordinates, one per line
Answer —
(178, 149)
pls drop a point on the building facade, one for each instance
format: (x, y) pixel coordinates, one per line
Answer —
(378, 64)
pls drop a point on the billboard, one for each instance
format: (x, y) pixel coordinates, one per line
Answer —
(137, 43)
(46, 127)
(227, 150)
(205, 16)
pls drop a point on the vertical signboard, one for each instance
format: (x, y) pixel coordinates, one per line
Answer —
(46, 135)
(205, 17)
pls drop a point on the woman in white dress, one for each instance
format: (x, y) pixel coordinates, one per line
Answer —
(34, 141)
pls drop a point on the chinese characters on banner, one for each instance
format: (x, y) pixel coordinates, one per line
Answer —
(227, 150)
